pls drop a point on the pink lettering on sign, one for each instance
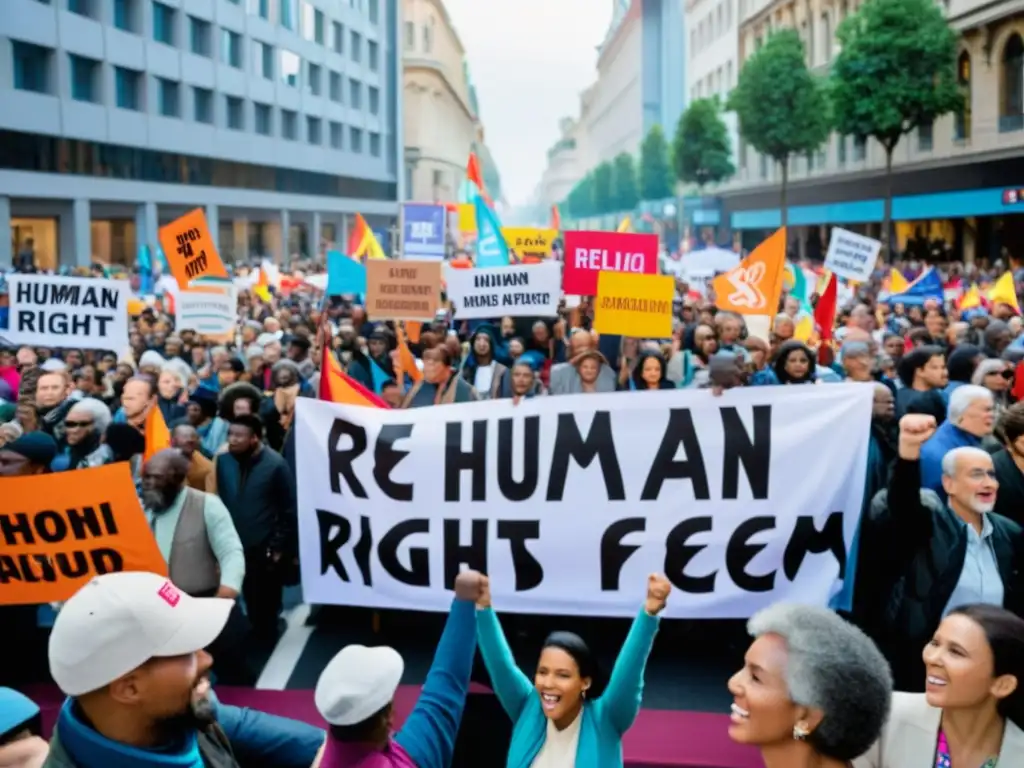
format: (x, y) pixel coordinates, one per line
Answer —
(170, 594)
(590, 253)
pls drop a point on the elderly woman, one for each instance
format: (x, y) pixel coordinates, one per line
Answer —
(973, 708)
(85, 426)
(814, 690)
(997, 377)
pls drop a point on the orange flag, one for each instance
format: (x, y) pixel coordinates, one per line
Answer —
(158, 436)
(753, 287)
(406, 361)
(336, 386)
(413, 329)
(556, 219)
(473, 174)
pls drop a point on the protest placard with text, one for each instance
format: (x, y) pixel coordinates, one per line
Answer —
(58, 531)
(403, 290)
(190, 249)
(529, 243)
(208, 309)
(588, 253)
(852, 256)
(69, 312)
(527, 290)
(634, 305)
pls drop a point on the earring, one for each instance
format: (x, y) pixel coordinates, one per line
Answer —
(800, 732)
(583, 693)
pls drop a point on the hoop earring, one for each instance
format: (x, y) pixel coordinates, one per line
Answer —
(800, 732)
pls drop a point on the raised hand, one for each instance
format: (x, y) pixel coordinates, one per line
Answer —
(658, 589)
(915, 429)
(468, 585)
(484, 598)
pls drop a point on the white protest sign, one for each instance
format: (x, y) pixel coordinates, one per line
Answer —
(78, 312)
(569, 502)
(211, 310)
(527, 290)
(852, 256)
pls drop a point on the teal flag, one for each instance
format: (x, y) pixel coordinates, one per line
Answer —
(491, 248)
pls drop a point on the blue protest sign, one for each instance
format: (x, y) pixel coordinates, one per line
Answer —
(423, 231)
(344, 275)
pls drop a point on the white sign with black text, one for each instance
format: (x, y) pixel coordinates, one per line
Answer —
(569, 502)
(78, 312)
(529, 290)
(852, 256)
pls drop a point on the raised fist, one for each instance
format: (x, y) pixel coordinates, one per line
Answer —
(658, 589)
(468, 585)
(915, 429)
(484, 600)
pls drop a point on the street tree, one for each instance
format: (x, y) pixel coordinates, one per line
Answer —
(603, 202)
(580, 202)
(656, 178)
(625, 190)
(781, 107)
(701, 149)
(895, 72)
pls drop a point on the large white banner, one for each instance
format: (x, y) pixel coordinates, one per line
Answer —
(569, 502)
(77, 312)
(527, 290)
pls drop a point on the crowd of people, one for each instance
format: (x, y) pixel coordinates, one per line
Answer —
(933, 613)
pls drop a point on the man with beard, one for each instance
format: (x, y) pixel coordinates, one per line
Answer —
(193, 530)
(127, 649)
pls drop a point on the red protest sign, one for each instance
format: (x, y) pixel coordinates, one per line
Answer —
(589, 253)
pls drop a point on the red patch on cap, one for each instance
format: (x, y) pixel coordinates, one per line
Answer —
(169, 594)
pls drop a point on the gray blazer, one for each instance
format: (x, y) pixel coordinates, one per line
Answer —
(911, 736)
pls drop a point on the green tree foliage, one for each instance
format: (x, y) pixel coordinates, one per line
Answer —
(896, 71)
(656, 179)
(580, 202)
(781, 107)
(625, 190)
(603, 202)
(701, 149)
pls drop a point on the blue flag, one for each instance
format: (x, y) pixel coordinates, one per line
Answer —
(379, 377)
(344, 275)
(491, 248)
(927, 286)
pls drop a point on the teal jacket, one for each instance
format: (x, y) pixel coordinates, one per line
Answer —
(604, 720)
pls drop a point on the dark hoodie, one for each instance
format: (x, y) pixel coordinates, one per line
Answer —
(637, 380)
(499, 357)
(779, 365)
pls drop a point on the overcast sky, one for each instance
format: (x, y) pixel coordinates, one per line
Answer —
(529, 60)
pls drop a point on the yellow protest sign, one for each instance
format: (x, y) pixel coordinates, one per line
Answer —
(530, 243)
(467, 218)
(629, 304)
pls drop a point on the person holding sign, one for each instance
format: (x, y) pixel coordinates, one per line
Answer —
(560, 720)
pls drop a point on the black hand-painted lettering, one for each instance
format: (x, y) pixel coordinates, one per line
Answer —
(528, 570)
(614, 553)
(386, 457)
(678, 555)
(599, 444)
(807, 539)
(418, 572)
(679, 431)
(739, 552)
(512, 489)
(340, 461)
(457, 554)
(753, 451)
(457, 461)
(335, 531)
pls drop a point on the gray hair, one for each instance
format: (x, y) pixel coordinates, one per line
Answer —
(985, 367)
(962, 397)
(97, 409)
(835, 668)
(951, 459)
(179, 368)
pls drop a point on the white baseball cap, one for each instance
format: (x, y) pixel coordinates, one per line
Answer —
(119, 621)
(357, 683)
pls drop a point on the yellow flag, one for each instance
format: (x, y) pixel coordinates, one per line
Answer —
(1004, 292)
(804, 329)
(971, 298)
(897, 282)
(625, 225)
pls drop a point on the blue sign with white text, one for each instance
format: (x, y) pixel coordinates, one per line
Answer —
(423, 231)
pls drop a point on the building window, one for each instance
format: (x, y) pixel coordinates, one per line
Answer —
(372, 55)
(428, 36)
(83, 7)
(231, 48)
(334, 87)
(289, 124)
(356, 47)
(263, 59)
(83, 78)
(375, 145)
(260, 8)
(355, 94)
(124, 15)
(263, 119)
(860, 148)
(841, 150)
(925, 136)
(235, 112)
(163, 24)
(289, 13)
(318, 27)
(314, 78)
(410, 36)
(202, 105)
(290, 67)
(962, 122)
(337, 37)
(1011, 113)
(199, 36)
(170, 98)
(314, 130)
(374, 99)
(355, 140)
(128, 85)
(336, 134)
(373, 11)
(826, 39)
(31, 67)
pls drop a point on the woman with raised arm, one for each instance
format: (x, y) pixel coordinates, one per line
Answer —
(558, 722)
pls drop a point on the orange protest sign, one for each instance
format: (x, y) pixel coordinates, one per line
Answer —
(189, 249)
(754, 285)
(64, 529)
(403, 290)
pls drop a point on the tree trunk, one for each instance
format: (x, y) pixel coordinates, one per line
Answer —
(887, 210)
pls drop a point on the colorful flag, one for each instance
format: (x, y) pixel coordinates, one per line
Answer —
(753, 286)
(971, 298)
(1005, 292)
(158, 436)
(825, 316)
(336, 386)
(556, 219)
(362, 243)
(897, 282)
(406, 360)
(491, 248)
(625, 225)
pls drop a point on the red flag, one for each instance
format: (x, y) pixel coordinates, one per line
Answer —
(825, 315)
(336, 386)
(556, 219)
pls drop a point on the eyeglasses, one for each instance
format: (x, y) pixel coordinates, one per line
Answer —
(77, 424)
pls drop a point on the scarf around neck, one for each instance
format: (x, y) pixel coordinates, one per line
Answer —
(284, 401)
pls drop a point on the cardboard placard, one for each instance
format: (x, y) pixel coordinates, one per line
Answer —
(403, 290)
(634, 305)
(189, 249)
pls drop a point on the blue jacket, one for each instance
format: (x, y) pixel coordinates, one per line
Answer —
(261, 740)
(604, 720)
